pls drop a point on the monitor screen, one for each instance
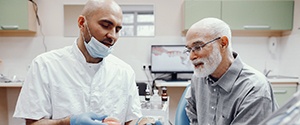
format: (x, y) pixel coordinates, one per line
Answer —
(170, 59)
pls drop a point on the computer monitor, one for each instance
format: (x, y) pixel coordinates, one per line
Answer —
(170, 59)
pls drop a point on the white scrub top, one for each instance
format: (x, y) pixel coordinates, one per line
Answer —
(61, 83)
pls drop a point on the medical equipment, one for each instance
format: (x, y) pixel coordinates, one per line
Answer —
(289, 113)
(170, 59)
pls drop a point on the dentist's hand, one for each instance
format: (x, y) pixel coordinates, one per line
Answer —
(89, 118)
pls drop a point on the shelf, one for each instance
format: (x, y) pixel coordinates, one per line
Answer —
(286, 81)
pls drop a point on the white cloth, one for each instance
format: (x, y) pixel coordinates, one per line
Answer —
(61, 83)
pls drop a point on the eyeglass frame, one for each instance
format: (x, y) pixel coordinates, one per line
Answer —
(195, 48)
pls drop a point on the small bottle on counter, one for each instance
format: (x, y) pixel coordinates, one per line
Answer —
(147, 94)
(156, 102)
(164, 95)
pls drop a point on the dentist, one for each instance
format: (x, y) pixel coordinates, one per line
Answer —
(82, 83)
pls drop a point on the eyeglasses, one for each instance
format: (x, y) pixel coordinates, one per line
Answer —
(199, 47)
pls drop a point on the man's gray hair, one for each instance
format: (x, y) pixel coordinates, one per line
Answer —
(215, 27)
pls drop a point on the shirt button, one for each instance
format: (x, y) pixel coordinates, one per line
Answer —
(214, 90)
(213, 107)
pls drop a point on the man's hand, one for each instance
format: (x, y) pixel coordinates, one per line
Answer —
(158, 123)
(148, 121)
(87, 119)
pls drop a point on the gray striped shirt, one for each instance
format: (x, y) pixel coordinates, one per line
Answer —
(241, 96)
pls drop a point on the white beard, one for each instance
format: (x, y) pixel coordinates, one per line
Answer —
(210, 63)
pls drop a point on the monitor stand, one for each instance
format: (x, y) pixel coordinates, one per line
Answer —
(175, 79)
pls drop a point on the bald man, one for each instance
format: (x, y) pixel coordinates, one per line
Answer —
(224, 90)
(82, 83)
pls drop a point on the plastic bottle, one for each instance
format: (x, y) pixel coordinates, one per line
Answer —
(164, 95)
(155, 100)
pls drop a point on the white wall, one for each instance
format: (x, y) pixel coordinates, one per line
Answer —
(16, 53)
(289, 47)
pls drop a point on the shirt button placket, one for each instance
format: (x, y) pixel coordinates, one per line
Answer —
(214, 104)
(93, 95)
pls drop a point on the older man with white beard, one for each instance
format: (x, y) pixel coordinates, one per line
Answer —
(224, 90)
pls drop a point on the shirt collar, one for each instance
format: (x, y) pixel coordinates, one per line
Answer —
(211, 80)
(77, 53)
(80, 57)
(227, 80)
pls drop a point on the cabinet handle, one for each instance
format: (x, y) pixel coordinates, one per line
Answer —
(280, 91)
(10, 27)
(256, 27)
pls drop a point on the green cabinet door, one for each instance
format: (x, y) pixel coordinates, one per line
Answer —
(14, 15)
(195, 10)
(258, 14)
(284, 92)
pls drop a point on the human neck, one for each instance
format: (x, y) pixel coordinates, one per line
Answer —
(223, 67)
(87, 56)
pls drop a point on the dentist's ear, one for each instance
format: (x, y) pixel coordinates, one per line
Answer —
(81, 21)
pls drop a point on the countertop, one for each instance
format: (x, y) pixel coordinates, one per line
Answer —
(160, 83)
(284, 80)
(11, 84)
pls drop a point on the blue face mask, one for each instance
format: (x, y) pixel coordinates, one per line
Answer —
(95, 48)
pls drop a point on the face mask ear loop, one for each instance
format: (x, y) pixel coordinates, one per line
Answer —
(88, 29)
(82, 36)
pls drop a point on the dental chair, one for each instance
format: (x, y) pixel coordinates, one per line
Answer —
(181, 117)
